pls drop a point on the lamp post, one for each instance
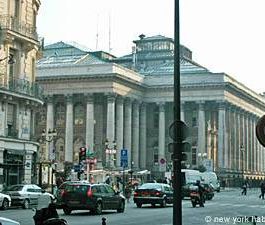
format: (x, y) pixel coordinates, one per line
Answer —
(110, 150)
(47, 137)
(242, 150)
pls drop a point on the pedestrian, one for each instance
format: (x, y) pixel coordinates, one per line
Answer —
(127, 192)
(244, 189)
(262, 190)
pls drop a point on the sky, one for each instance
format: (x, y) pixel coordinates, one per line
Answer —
(224, 35)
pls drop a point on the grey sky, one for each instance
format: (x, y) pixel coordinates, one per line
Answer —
(224, 35)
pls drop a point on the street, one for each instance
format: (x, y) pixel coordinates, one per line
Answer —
(223, 209)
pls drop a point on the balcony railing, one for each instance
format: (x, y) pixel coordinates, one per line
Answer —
(22, 86)
(11, 23)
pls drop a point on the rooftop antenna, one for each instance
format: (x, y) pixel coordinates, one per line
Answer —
(97, 34)
(109, 33)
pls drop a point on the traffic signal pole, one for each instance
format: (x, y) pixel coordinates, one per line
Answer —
(177, 204)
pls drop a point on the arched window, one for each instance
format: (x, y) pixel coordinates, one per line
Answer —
(60, 114)
(79, 114)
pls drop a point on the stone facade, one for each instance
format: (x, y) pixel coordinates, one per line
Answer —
(20, 96)
(129, 100)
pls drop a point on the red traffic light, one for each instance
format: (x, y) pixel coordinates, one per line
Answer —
(260, 130)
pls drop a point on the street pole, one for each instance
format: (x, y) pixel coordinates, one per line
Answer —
(177, 206)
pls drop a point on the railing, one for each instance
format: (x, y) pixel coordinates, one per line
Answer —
(22, 86)
(11, 23)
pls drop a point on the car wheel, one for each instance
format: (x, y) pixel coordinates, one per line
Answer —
(153, 205)
(98, 209)
(26, 204)
(5, 204)
(193, 204)
(163, 203)
(139, 205)
(67, 210)
(121, 208)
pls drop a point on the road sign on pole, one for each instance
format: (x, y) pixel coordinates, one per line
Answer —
(124, 158)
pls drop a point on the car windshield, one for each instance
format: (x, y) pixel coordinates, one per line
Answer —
(76, 188)
(14, 188)
(150, 186)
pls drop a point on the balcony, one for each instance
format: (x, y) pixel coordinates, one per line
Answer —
(25, 87)
(13, 24)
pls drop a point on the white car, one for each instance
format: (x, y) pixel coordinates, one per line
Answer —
(5, 201)
(25, 195)
(5, 221)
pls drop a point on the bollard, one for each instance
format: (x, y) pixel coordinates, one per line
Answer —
(104, 221)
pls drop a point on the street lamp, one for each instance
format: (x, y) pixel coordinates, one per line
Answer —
(110, 150)
(242, 150)
(47, 137)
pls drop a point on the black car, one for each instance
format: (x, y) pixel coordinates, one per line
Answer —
(153, 193)
(86, 196)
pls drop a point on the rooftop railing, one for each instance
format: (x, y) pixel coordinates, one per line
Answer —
(14, 24)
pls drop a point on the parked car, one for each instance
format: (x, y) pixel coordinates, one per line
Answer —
(5, 201)
(153, 193)
(78, 195)
(25, 194)
(6, 221)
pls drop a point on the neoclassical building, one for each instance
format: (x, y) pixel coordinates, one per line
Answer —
(20, 96)
(92, 97)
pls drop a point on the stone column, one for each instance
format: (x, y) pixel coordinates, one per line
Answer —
(201, 129)
(90, 123)
(49, 125)
(128, 128)
(238, 137)
(110, 126)
(135, 134)
(1, 169)
(246, 165)
(69, 129)
(143, 152)
(182, 113)
(161, 135)
(28, 166)
(221, 135)
(119, 128)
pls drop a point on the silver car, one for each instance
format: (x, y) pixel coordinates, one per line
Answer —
(25, 194)
(5, 201)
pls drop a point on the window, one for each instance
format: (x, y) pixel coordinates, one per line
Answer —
(79, 113)
(156, 117)
(60, 114)
(11, 119)
(194, 155)
(155, 155)
(194, 118)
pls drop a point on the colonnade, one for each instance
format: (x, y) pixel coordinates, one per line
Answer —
(235, 145)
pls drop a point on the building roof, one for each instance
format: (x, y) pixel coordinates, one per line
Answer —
(61, 54)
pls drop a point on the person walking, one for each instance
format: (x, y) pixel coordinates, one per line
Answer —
(127, 192)
(262, 190)
(244, 189)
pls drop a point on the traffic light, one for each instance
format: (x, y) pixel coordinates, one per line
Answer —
(180, 142)
(82, 154)
(260, 130)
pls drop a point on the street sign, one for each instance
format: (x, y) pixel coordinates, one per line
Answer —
(124, 158)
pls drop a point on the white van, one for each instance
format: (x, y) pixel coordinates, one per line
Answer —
(190, 176)
(211, 177)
